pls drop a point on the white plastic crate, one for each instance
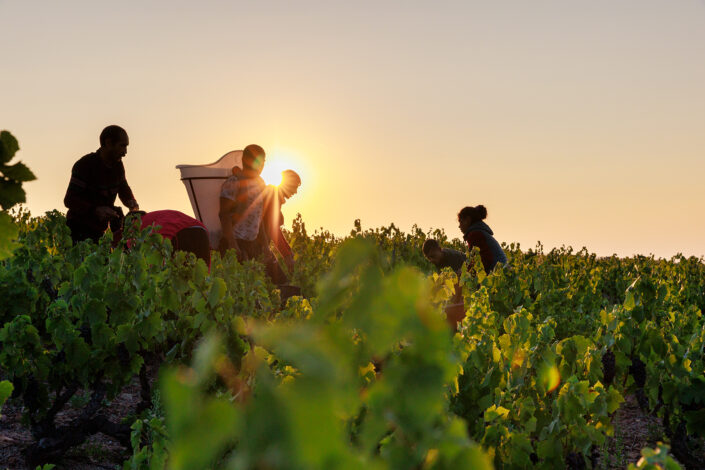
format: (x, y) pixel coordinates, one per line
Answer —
(203, 183)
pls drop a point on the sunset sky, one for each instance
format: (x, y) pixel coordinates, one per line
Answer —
(574, 122)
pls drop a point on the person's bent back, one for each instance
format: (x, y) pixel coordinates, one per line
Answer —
(184, 232)
(443, 257)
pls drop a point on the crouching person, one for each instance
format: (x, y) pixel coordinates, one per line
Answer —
(443, 257)
(184, 232)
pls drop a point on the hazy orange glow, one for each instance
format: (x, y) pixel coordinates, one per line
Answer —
(574, 123)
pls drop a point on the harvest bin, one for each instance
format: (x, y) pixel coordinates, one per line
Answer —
(203, 184)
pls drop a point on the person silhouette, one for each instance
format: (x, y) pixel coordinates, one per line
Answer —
(96, 180)
(478, 234)
(443, 257)
(242, 199)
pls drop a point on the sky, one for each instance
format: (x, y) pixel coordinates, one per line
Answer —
(576, 123)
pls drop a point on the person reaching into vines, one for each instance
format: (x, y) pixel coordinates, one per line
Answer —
(443, 257)
(478, 234)
(274, 219)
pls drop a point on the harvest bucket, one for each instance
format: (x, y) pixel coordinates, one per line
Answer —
(203, 184)
(455, 314)
(286, 291)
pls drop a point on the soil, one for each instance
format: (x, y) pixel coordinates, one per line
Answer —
(634, 430)
(99, 452)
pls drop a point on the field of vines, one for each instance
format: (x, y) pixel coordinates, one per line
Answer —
(138, 358)
(361, 371)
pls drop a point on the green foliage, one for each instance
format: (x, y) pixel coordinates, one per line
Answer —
(94, 315)
(87, 317)
(655, 459)
(6, 389)
(361, 370)
(11, 192)
(149, 440)
(11, 176)
(534, 336)
(334, 412)
(314, 253)
(8, 235)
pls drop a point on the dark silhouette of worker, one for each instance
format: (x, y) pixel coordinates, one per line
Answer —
(273, 218)
(96, 180)
(478, 234)
(250, 213)
(242, 198)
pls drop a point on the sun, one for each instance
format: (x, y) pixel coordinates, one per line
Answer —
(272, 172)
(280, 160)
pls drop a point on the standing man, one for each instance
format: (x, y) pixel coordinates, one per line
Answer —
(96, 180)
(242, 205)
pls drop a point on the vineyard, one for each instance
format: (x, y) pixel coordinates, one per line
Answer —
(362, 371)
(129, 355)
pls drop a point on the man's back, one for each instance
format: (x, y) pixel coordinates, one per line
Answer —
(247, 194)
(93, 184)
(453, 259)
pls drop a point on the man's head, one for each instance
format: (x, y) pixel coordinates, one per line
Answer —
(253, 157)
(113, 143)
(290, 183)
(432, 251)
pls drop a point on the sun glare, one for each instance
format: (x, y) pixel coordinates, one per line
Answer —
(273, 168)
(271, 174)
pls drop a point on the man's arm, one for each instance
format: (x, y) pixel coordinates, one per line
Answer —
(125, 192)
(127, 197)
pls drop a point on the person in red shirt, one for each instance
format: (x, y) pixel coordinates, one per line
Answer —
(184, 232)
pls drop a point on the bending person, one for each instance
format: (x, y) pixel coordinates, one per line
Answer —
(478, 234)
(275, 219)
(443, 257)
(184, 232)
